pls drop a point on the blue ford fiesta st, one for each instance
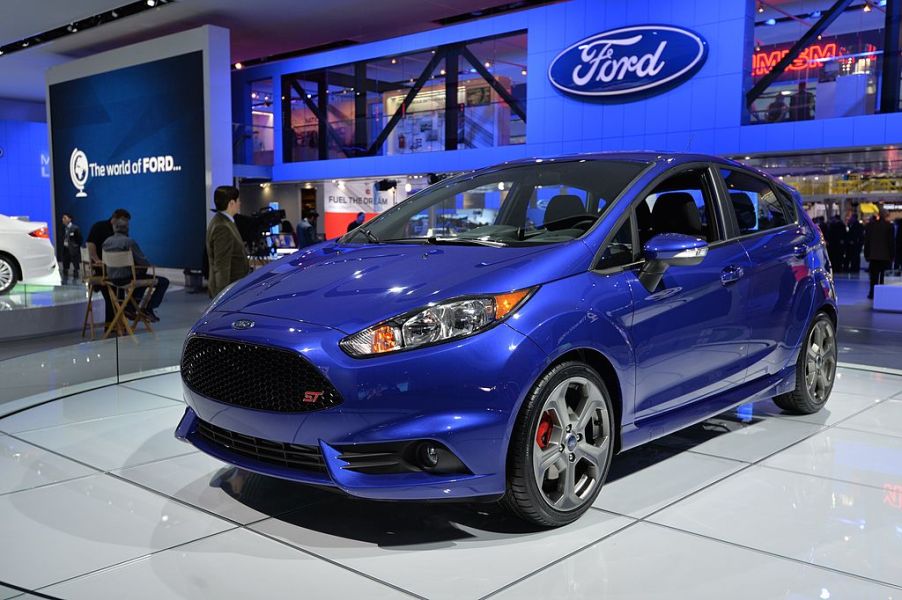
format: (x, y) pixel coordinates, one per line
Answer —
(501, 334)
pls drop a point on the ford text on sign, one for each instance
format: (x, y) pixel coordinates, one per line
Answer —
(631, 60)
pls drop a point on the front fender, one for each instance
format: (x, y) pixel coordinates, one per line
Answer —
(588, 311)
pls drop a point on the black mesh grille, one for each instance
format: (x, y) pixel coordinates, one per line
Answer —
(294, 456)
(256, 377)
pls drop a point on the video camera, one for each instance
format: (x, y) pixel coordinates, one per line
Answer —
(255, 227)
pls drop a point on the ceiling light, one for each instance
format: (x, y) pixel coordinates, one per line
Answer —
(407, 187)
(442, 72)
(151, 3)
(760, 8)
(488, 65)
(523, 72)
(816, 14)
(394, 61)
(72, 28)
(114, 14)
(867, 7)
(239, 66)
(771, 21)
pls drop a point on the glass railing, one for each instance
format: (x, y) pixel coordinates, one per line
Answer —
(46, 353)
(480, 126)
(36, 377)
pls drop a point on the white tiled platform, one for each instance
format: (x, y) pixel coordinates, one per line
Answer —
(97, 500)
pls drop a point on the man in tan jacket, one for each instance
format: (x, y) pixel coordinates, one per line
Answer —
(225, 248)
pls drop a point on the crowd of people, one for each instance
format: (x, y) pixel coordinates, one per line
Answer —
(879, 240)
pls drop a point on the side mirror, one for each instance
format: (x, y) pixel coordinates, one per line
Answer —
(666, 250)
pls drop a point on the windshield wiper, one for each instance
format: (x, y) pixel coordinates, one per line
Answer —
(447, 241)
(369, 234)
(466, 241)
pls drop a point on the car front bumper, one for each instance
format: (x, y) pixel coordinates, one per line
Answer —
(463, 395)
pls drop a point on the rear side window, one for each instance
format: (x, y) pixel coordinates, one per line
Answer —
(755, 204)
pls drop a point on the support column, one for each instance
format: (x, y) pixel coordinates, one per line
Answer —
(892, 62)
(452, 108)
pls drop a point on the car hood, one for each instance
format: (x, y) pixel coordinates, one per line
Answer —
(350, 287)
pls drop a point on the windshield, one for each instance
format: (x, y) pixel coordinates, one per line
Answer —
(540, 203)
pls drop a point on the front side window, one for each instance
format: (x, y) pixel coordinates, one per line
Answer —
(756, 206)
(536, 203)
(682, 204)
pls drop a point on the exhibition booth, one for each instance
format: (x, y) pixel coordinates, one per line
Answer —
(117, 479)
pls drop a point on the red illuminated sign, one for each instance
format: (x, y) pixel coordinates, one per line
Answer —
(860, 45)
(811, 57)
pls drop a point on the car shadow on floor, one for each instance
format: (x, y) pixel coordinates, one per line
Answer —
(386, 523)
(406, 523)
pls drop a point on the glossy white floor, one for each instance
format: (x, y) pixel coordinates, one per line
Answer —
(97, 500)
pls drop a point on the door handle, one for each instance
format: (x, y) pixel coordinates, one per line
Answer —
(731, 274)
(800, 251)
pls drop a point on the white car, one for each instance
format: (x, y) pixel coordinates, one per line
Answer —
(26, 254)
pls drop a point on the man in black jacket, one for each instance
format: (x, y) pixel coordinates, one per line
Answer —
(70, 247)
(836, 242)
(854, 242)
(878, 248)
(897, 227)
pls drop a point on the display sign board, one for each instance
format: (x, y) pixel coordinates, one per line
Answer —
(622, 64)
(135, 137)
(848, 53)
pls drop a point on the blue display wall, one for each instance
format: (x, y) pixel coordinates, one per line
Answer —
(134, 138)
(702, 114)
(24, 170)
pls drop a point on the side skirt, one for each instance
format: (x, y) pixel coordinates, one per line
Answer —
(665, 423)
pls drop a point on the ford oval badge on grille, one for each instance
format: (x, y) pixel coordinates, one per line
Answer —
(242, 324)
(625, 62)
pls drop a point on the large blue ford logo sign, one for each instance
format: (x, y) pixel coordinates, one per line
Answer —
(641, 60)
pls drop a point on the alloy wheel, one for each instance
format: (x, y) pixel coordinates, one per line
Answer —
(571, 443)
(7, 275)
(820, 360)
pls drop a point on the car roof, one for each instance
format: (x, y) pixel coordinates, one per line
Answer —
(645, 156)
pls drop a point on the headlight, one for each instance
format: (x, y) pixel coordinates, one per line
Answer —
(218, 298)
(440, 322)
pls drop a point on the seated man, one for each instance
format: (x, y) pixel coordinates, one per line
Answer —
(120, 242)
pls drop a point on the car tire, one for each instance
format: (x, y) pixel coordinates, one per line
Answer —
(815, 369)
(8, 274)
(561, 447)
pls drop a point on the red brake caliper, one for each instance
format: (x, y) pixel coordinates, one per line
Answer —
(543, 434)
